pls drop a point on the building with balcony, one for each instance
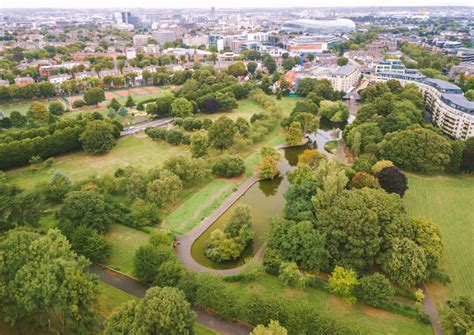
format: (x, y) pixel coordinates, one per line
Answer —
(390, 65)
(450, 110)
(342, 78)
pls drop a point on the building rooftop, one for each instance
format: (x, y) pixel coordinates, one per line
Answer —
(442, 84)
(413, 76)
(459, 100)
(344, 70)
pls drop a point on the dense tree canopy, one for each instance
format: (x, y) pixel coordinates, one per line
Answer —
(229, 244)
(417, 149)
(162, 311)
(40, 276)
(98, 137)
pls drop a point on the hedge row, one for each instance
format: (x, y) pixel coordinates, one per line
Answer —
(18, 152)
(210, 292)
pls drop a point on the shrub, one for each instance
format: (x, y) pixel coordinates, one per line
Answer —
(56, 108)
(272, 261)
(169, 273)
(375, 290)
(228, 166)
(78, 103)
(393, 180)
(363, 179)
(144, 214)
(341, 282)
(147, 260)
(380, 165)
(174, 136)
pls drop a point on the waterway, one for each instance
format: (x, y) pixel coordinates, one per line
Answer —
(266, 200)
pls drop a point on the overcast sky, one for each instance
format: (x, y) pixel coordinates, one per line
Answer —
(220, 3)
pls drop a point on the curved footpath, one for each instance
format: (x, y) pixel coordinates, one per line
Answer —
(134, 287)
(185, 242)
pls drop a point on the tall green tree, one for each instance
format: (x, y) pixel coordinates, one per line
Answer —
(294, 134)
(181, 107)
(162, 311)
(405, 262)
(98, 137)
(94, 96)
(41, 277)
(221, 133)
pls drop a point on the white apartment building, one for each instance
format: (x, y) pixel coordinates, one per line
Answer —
(450, 110)
(151, 49)
(390, 65)
(59, 78)
(141, 40)
(131, 53)
(342, 78)
(86, 74)
(70, 65)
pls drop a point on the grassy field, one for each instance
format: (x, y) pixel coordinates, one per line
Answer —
(449, 202)
(198, 206)
(110, 298)
(23, 107)
(378, 321)
(125, 241)
(139, 151)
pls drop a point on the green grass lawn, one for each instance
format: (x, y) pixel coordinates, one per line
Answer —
(248, 107)
(125, 241)
(110, 298)
(139, 151)
(448, 201)
(378, 321)
(23, 107)
(331, 146)
(201, 330)
(198, 206)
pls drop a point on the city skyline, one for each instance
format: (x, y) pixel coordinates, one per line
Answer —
(228, 4)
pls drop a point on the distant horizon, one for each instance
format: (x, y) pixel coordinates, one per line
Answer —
(230, 4)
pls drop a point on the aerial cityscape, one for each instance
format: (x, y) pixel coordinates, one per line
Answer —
(236, 168)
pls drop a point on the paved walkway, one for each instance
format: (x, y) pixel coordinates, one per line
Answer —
(134, 287)
(183, 249)
(136, 128)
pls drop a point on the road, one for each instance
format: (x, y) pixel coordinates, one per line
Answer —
(144, 125)
(134, 287)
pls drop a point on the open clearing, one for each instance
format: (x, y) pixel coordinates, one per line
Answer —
(138, 151)
(449, 202)
(139, 94)
(125, 241)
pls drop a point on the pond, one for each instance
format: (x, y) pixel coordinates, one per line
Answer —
(326, 124)
(265, 199)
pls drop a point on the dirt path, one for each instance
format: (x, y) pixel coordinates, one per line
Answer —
(430, 308)
(134, 287)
